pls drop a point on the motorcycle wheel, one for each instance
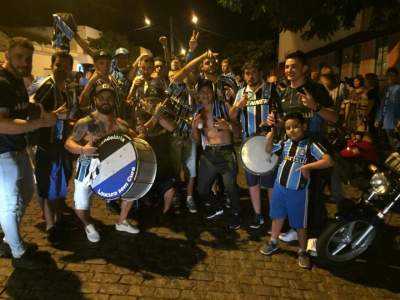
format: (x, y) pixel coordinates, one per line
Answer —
(336, 245)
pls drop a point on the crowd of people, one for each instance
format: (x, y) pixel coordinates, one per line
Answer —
(191, 114)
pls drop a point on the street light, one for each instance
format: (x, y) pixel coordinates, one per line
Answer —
(195, 19)
(147, 23)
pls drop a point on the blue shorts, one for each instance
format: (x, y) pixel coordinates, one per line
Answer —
(53, 171)
(291, 204)
(266, 180)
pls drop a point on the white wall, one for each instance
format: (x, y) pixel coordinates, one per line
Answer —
(290, 41)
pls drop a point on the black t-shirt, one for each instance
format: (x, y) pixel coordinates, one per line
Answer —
(291, 101)
(13, 100)
(51, 98)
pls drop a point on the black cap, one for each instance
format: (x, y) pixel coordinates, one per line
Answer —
(101, 54)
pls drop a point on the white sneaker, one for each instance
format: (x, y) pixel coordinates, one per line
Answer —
(312, 247)
(191, 205)
(92, 234)
(127, 227)
(289, 236)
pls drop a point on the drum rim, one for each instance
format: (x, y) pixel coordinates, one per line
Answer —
(137, 173)
(244, 165)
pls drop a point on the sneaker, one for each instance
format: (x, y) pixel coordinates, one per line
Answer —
(234, 223)
(269, 248)
(191, 205)
(127, 227)
(26, 261)
(91, 233)
(176, 204)
(289, 236)
(304, 260)
(214, 213)
(5, 251)
(312, 247)
(113, 207)
(227, 202)
(257, 222)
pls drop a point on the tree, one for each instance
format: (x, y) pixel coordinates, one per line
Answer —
(240, 52)
(110, 41)
(320, 18)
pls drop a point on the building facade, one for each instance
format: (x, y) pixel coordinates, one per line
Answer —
(358, 50)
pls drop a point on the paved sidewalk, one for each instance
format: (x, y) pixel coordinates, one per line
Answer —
(185, 258)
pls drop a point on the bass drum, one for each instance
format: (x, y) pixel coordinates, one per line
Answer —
(127, 168)
(254, 157)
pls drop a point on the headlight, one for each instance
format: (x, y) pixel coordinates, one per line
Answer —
(379, 183)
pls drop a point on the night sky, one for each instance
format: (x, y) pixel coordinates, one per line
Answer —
(125, 15)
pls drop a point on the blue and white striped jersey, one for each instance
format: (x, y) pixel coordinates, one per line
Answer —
(293, 156)
(257, 108)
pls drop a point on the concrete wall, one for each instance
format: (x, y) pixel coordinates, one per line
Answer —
(43, 51)
(290, 41)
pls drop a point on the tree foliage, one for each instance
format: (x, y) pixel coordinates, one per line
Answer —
(320, 18)
(110, 41)
(240, 52)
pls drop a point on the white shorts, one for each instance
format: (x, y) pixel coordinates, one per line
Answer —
(83, 192)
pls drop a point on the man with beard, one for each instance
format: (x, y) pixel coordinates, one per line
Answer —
(53, 162)
(252, 103)
(102, 74)
(122, 71)
(86, 132)
(17, 117)
(224, 86)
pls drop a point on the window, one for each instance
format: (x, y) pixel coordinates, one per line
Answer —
(356, 60)
(381, 52)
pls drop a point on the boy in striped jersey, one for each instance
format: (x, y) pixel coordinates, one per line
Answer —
(299, 155)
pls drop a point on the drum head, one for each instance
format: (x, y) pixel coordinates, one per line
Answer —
(254, 157)
(118, 164)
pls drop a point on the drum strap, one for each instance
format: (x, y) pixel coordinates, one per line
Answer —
(93, 171)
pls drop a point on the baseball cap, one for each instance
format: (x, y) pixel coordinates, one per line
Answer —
(121, 50)
(104, 87)
(101, 54)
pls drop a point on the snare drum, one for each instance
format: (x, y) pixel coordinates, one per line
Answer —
(127, 168)
(254, 157)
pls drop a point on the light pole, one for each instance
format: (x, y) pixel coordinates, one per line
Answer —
(147, 23)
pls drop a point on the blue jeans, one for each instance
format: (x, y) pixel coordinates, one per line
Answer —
(16, 190)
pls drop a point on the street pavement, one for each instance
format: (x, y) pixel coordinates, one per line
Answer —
(186, 257)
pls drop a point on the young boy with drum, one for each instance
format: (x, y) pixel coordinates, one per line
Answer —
(298, 156)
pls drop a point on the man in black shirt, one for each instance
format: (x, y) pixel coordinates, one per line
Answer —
(17, 117)
(312, 100)
(53, 162)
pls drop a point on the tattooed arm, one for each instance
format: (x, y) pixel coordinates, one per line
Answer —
(74, 142)
(124, 127)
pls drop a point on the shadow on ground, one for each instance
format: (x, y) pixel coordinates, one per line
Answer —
(47, 283)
